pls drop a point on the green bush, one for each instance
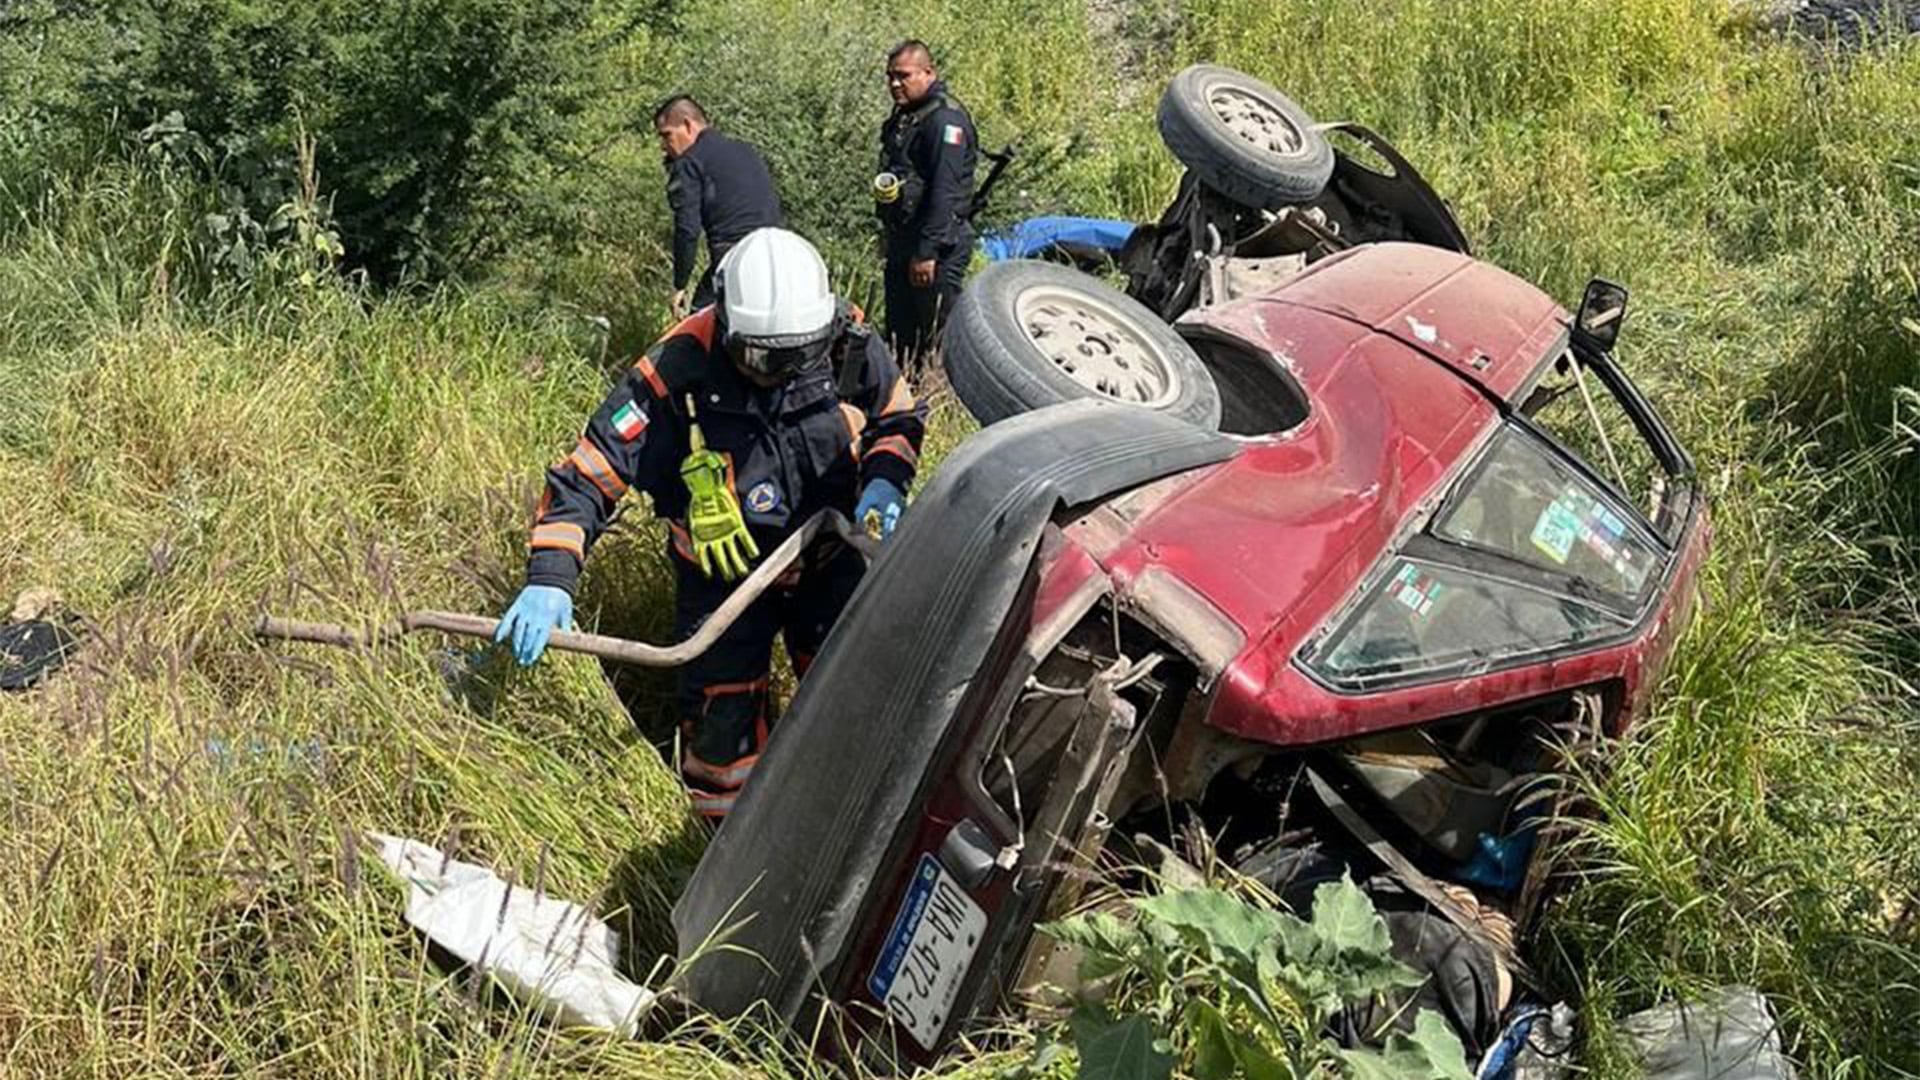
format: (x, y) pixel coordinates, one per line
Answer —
(433, 124)
(803, 81)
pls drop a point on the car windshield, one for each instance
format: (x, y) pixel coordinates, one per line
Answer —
(1527, 503)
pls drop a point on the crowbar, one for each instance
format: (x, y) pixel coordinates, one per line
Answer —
(620, 650)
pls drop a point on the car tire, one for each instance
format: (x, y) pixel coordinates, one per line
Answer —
(1027, 334)
(1243, 138)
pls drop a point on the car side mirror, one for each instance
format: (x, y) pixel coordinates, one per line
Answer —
(1602, 310)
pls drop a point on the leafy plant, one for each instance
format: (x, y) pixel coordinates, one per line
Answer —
(1221, 987)
(269, 213)
(433, 125)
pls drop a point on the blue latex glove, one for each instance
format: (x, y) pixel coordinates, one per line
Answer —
(879, 508)
(535, 614)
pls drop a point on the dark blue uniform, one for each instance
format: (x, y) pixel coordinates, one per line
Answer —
(809, 444)
(931, 146)
(720, 186)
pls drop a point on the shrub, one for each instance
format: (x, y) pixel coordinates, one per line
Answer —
(803, 81)
(432, 123)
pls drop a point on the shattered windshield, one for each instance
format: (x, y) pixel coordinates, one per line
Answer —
(1583, 416)
(1438, 609)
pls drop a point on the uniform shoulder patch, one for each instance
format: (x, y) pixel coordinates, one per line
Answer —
(954, 135)
(630, 421)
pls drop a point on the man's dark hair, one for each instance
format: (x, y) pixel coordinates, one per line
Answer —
(678, 109)
(912, 47)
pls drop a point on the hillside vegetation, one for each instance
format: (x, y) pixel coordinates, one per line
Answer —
(297, 300)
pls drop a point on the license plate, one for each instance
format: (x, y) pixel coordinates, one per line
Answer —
(927, 952)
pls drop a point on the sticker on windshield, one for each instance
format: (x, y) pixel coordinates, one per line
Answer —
(1556, 530)
(1416, 591)
(1610, 522)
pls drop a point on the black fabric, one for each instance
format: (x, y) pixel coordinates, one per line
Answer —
(793, 449)
(721, 729)
(720, 187)
(1459, 978)
(834, 796)
(704, 292)
(932, 147)
(30, 651)
(915, 314)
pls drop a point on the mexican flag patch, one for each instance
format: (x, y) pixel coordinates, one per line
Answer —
(954, 135)
(629, 421)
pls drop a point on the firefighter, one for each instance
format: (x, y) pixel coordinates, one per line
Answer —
(744, 421)
(715, 185)
(923, 193)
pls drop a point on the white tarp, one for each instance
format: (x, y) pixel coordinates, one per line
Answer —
(1732, 1035)
(548, 952)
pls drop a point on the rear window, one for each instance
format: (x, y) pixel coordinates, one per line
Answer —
(1525, 502)
(1427, 618)
(1529, 555)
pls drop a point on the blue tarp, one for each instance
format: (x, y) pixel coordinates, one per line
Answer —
(1034, 235)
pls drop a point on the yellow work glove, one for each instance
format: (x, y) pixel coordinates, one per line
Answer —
(720, 538)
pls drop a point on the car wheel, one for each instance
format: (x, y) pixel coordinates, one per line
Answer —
(1243, 138)
(1029, 334)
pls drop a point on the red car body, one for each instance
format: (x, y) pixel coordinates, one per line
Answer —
(1399, 365)
(1407, 355)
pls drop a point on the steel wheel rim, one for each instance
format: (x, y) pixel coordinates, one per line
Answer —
(1255, 121)
(1099, 347)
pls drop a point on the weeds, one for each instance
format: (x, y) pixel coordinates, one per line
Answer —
(179, 450)
(1217, 985)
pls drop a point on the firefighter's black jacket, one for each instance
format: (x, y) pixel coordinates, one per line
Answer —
(807, 445)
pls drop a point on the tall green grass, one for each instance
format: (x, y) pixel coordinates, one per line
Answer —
(1760, 200)
(179, 452)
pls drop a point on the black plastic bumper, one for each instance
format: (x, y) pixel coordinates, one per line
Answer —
(837, 788)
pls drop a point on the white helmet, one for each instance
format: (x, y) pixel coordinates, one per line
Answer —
(774, 300)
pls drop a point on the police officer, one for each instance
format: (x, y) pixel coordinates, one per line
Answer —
(744, 421)
(714, 184)
(928, 146)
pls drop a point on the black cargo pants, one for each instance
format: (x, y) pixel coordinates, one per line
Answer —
(722, 700)
(914, 313)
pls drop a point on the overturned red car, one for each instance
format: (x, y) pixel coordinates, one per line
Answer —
(1338, 571)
